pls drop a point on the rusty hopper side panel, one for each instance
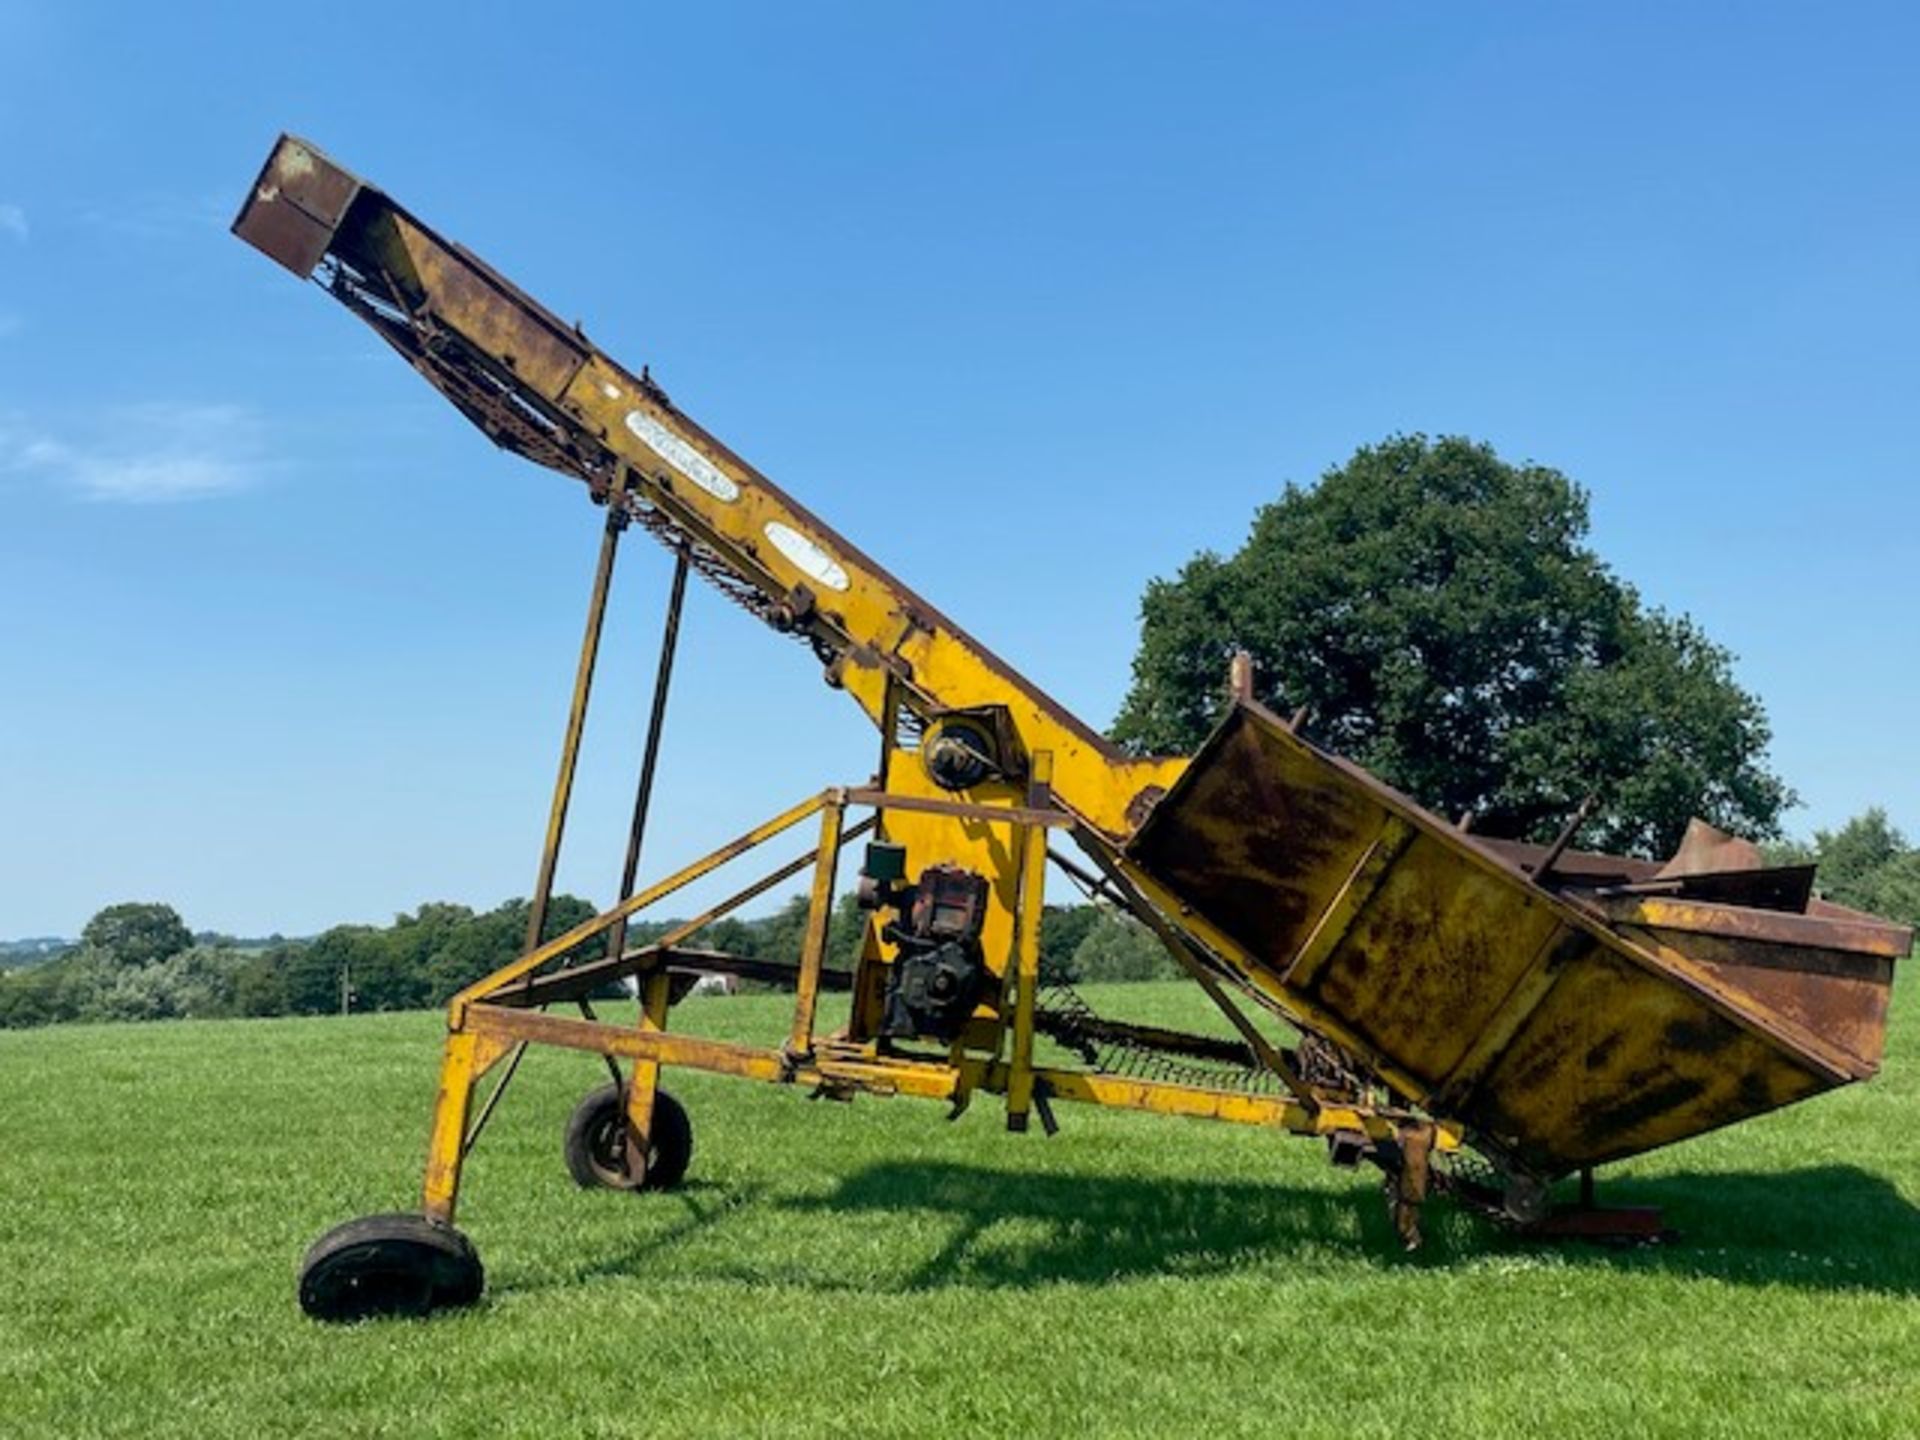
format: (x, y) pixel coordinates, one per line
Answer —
(1562, 1031)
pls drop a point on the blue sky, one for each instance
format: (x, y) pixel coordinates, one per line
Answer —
(286, 643)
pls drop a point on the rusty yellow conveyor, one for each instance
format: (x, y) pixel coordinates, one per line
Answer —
(1410, 994)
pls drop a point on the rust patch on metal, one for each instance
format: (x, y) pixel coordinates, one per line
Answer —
(295, 206)
(1248, 840)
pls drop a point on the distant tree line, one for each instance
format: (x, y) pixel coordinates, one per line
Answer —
(16, 954)
(139, 961)
(1866, 863)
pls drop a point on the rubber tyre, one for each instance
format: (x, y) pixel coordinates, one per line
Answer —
(597, 1137)
(401, 1264)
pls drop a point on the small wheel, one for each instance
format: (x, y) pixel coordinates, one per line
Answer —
(401, 1264)
(597, 1142)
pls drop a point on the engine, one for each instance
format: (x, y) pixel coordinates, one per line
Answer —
(939, 971)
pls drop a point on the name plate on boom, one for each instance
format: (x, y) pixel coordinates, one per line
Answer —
(682, 456)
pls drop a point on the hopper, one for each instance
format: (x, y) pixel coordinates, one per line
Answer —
(1564, 1016)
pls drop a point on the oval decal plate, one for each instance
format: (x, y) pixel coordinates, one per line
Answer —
(682, 456)
(808, 558)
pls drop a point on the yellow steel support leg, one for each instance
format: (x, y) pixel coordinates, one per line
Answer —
(468, 1057)
(813, 953)
(569, 760)
(577, 709)
(643, 1082)
(1026, 946)
(650, 752)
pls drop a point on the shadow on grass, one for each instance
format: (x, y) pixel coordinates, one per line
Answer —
(703, 1206)
(1830, 1228)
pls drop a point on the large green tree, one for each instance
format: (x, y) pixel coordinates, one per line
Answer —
(1441, 617)
(136, 933)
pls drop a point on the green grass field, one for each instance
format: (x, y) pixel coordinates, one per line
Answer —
(872, 1270)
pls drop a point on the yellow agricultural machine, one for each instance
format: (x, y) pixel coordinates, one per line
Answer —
(1468, 1014)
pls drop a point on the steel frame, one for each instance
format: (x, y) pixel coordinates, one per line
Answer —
(498, 1017)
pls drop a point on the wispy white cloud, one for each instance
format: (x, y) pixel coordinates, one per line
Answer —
(13, 221)
(144, 454)
(160, 216)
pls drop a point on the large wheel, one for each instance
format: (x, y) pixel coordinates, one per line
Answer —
(400, 1264)
(597, 1142)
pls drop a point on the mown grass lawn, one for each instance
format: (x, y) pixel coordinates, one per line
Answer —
(871, 1269)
